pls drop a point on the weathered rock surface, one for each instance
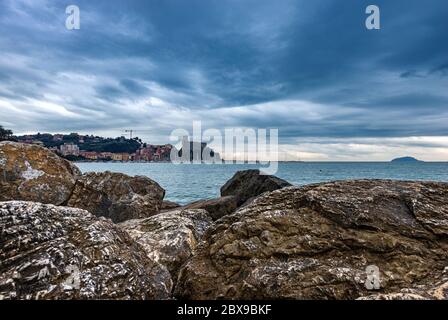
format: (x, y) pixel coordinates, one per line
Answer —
(169, 205)
(32, 173)
(239, 191)
(169, 237)
(216, 208)
(49, 252)
(250, 183)
(117, 196)
(438, 292)
(316, 242)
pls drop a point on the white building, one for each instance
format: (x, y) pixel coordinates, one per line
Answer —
(69, 149)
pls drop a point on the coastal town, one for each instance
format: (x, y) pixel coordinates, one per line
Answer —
(77, 147)
(147, 153)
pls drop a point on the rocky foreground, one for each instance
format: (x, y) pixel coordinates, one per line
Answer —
(64, 235)
(50, 252)
(316, 242)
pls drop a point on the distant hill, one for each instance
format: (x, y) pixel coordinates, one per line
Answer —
(85, 142)
(406, 160)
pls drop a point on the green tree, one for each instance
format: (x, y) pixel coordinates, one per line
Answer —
(5, 134)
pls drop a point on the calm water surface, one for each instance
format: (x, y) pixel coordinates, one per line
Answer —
(185, 183)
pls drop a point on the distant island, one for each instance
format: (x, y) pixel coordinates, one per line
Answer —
(406, 159)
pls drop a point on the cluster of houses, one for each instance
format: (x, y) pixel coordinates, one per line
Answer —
(144, 154)
(190, 151)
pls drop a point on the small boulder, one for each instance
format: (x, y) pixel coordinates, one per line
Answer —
(117, 196)
(251, 183)
(50, 252)
(169, 237)
(216, 208)
(33, 173)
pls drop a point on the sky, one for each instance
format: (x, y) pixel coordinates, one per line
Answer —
(334, 90)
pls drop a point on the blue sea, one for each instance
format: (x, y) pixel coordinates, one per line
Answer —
(185, 183)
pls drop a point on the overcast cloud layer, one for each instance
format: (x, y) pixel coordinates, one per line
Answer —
(335, 90)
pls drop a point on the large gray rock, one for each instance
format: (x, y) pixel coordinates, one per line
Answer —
(169, 237)
(117, 196)
(32, 173)
(245, 185)
(239, 191)
(216, 208)
(49, 252)
(323, 242)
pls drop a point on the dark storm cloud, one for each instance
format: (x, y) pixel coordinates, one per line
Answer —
(109, 92)
(442, 70)
(414, 101)
(411, 74)
(132, 59)
(133, 87)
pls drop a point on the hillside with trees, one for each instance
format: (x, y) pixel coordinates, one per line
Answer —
(86, 142)
(5, 134)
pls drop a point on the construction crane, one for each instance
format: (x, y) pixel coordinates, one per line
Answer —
(130, 133)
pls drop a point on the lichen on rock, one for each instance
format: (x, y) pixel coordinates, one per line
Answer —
(33, 173)
(170, 237)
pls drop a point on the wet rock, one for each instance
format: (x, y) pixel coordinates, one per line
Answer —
(216, 208)
(49, 252)
(32, 173)
(117, 196)
(323, 241)
(250, 183)
(169, 237)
